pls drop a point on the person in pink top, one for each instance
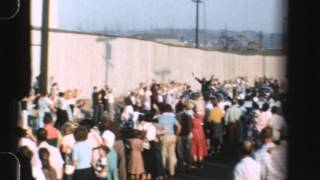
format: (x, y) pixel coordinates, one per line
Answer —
(54, 136)
(263, 119)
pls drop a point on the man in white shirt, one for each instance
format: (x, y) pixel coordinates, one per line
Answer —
(279, 157)
(262, 155)
(247, 168)
(55, 155)
(45, 105)
(111, 102)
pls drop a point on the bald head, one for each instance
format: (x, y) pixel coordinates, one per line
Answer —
(247, 147)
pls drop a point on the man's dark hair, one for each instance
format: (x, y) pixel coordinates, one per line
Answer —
(47, 118)
(234, 101)
(87, 123)
(20, 132)
(44, 155)
(266, 133)
(214, 101)
(113, 126)
(241, 102)
(105, 149)
(81, 133)
(127, 101)
(24, 151)
(274, 110)
(41, 134)
(265, 107)
(167, 108)
(61, 94)
(255, 105)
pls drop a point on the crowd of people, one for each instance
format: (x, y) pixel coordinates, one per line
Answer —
(160, 128)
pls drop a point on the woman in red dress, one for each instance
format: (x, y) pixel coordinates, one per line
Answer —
(199, 144)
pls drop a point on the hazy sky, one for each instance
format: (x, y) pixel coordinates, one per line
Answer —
(265, 15)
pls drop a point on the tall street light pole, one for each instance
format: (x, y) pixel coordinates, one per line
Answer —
(197, 22)
(44, 46)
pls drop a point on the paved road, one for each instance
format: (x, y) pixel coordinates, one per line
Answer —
(216, 167)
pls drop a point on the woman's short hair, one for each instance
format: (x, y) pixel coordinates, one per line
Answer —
(24, 151)
(44, 154)
(67, 128)
(47, 118)
(167, 108)
(127, 101)
(265, 107)
(81, 133)
(266, 133)
(87, 123)
(44, 157)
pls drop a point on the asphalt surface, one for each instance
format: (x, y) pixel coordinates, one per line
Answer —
(217, 167)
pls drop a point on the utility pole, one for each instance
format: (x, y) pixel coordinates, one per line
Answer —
(260, 35)
(197, 22)
(44, 46)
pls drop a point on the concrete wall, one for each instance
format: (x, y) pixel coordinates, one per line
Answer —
(82, 61)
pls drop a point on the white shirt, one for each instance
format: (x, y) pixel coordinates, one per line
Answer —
(147, 100)
(277, 103)
(160, 99)
(266, 163)
(44, 104)
(151, 131)
(223, 104)
(126, 113)
(277, 122)
(54, 158)
(71, 101)
(278, 168)
(133, 100)
(209, 106)
(37, 173)
(108, 138)
(94, 138)
(248, 104)
(141, 92)
(110, 98)
(247, 169)
(260, 153)
(135, 119)
(62, 103)
(68, 141)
